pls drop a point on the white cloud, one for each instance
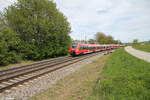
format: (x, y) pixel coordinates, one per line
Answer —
(123, 19)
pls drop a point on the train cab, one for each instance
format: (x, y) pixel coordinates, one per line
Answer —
(78, 49)
(74, 48)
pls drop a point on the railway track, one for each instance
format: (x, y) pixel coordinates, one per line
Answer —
(14, 76)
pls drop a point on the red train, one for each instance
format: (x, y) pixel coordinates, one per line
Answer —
(82, 48)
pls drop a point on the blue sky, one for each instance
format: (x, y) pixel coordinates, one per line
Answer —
(123, 19)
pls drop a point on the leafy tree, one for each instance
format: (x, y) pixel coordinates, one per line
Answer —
(116, 41)
(9, 47)
(9, 44)
(135, 41)
(102, 38)
(109, 39)
(92, 41)
(42, 28)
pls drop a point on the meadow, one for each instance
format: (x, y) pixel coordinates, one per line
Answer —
(124, 77)
(143, 47)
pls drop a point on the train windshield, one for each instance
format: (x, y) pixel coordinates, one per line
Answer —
(74, 45)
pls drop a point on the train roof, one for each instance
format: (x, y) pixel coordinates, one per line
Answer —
(86, 44)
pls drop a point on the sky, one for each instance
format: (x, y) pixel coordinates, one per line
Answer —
(125, 20)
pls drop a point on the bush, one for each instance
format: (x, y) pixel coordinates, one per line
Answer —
(9, 44)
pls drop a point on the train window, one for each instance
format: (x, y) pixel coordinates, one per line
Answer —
(89, 48)
(81, 47)
(84, 47)
(74, 45)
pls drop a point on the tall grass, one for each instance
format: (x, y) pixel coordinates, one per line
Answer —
(124, 77)
(143, 47)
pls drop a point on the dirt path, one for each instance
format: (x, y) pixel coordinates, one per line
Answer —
(139, 54)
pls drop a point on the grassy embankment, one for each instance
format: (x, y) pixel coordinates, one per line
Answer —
(144, 47)
(124, 77)
(21, 63)
(18, 64)
(76, 86)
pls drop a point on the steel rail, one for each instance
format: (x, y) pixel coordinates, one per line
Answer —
(47, 71)
(28, 65)
(12, 71)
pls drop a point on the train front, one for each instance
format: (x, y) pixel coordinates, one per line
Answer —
(73, 50)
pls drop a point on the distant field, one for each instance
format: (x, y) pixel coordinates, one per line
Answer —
(124, 77)
(145, 47)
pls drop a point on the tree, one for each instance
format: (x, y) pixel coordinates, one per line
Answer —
(41, 27)
(135, 41)
(105, 39)
(9, 44)
(109, 39)
(92, 41)
(9, 47)
(100, 38)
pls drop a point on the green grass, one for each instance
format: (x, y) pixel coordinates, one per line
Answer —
(124, 77)
(143, 47)
(18, 64)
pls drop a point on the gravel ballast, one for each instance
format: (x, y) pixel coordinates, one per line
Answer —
(29, 89)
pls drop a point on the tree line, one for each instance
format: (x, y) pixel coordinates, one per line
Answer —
(136, 41)
(33, 30)
(101, 38)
